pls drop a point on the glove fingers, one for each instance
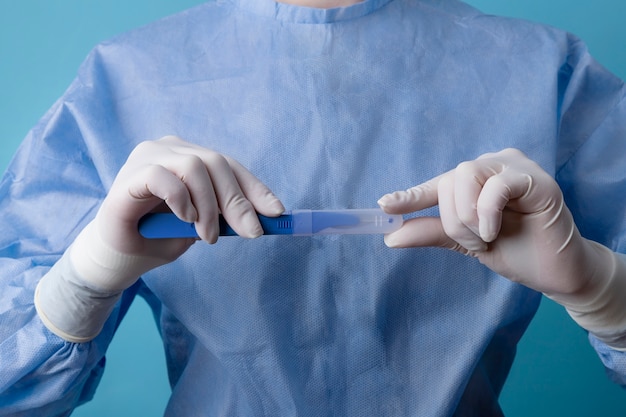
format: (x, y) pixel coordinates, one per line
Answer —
(183, 182)
(261, 197)
(423, 232)
(414, 199)
(223, 188)
(454, 225)
(482, 190)
(469, 180)
(496, 194)
(233, 203)
(158, 183)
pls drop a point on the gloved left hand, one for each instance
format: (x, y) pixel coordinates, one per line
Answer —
(506, 211)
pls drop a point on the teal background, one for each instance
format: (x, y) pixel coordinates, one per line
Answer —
(41, 45)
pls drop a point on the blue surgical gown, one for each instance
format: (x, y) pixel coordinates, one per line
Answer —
(331, 109)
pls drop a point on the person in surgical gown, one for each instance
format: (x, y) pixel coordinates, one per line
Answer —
(508, 136)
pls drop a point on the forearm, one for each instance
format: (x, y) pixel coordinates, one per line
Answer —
(600, 307)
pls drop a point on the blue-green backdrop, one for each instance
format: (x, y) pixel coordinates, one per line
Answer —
(41, 45)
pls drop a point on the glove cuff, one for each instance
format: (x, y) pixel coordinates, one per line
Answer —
(602, 308)
(75, 298)
(69, 307)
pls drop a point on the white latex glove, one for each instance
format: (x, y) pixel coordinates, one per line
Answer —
(503, 209)
(75, 297)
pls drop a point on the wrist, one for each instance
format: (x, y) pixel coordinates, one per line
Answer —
(103, 268)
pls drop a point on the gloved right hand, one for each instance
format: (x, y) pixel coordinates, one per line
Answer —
(76, 296)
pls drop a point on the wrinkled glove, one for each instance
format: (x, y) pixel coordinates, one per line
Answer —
(503, 209)
(77, 295)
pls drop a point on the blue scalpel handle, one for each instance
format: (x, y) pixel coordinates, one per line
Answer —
(295, 223)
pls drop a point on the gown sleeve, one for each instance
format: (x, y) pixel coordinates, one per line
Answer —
(593, 177)
(50, 191)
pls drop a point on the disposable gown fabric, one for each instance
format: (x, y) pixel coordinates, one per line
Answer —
(331, 109)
